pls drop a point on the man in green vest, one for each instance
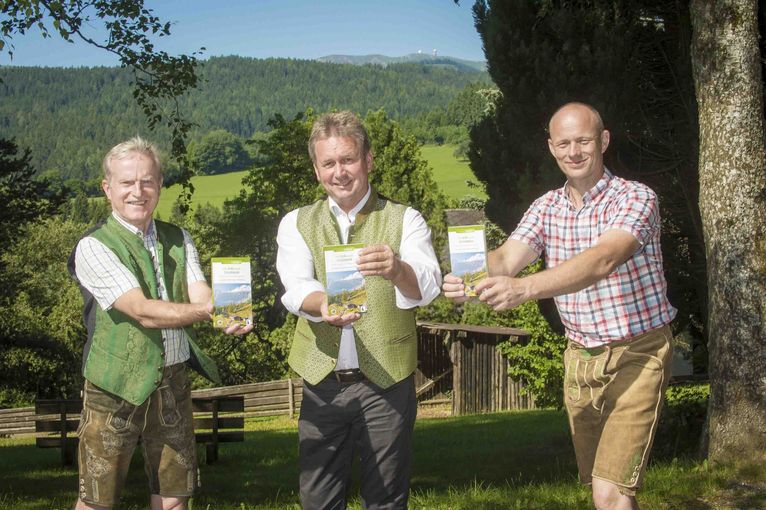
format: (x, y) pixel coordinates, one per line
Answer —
(142, 288)
(357, 367)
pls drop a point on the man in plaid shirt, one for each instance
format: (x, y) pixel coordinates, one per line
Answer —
(600, 236)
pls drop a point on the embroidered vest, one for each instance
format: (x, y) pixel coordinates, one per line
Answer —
(121, 356)
(385, 336)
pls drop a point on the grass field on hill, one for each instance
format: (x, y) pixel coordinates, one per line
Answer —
(510, 460)
(450, 174)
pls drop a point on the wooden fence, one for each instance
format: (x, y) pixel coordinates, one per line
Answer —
(456, 360)
(261, 399)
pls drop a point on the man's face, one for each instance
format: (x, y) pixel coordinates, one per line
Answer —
(578, 144)
(133, 188)
(342, 170)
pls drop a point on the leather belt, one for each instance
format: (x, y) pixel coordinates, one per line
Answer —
(347, 376)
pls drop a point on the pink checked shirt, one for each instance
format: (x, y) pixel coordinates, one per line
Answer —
(630, 301)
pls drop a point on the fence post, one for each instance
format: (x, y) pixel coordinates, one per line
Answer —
(290, 397)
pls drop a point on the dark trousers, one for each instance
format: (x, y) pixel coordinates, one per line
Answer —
(338, 418)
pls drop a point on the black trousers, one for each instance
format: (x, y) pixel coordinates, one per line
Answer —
(339, 419)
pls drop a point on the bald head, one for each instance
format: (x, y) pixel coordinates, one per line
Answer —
(578, 109)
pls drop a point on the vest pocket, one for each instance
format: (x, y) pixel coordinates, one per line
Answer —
(404, 338)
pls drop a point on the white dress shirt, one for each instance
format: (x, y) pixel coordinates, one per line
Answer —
(295, 266)
(101, 272)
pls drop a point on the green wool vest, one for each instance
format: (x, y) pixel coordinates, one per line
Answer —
(386, 337)
(122, 357)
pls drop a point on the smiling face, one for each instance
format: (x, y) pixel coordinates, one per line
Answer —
(342, 170)
(578, 142)
(133, 188)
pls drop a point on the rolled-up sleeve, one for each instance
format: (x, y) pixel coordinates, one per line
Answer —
(531, 228)
(417, 251)
(193, 270)
(637, 213)
(295, 266)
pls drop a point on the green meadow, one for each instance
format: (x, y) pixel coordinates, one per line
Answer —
(450, 174)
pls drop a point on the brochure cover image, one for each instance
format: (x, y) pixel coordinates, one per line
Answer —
(232, 291)
(345, 284)
(468, 255)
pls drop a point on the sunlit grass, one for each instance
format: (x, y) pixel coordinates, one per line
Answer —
(516, 460)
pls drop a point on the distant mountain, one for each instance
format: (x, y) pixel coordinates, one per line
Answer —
(415, 58)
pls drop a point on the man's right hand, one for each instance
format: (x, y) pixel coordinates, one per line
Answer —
(337, 320)
(454, 289)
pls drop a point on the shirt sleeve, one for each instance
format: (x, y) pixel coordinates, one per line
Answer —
(531, 228)
(417, 251)
(100, 271)
(637, 213)
(193, 270)
(295, 266)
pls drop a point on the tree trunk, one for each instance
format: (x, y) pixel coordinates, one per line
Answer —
(732, 173)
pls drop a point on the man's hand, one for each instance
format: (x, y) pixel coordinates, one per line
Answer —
(337, 320)
(238, 329)
(454, 289)
(379, 260)
(503, 292)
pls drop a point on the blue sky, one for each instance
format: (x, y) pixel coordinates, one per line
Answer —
(303, 29)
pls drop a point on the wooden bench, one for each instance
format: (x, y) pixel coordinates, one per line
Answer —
(52, 415)
(212, 424)
(219, 429)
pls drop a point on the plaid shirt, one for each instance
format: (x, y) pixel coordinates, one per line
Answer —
(632, 299)
(106, 278)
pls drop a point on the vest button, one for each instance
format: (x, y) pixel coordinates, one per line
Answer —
(157, 382)
(163, 354)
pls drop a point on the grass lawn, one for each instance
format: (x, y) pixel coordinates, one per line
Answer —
(516, 460)
(450, 173)
(213, 189)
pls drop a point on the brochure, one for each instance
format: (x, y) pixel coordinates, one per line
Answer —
(345, 284)
(232, 291)
(468, 255)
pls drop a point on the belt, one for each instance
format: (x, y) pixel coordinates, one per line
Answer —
(351, 375)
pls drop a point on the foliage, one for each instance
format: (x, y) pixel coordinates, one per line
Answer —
(450, 124)
(400, 173)
(158, 78)
(630, 59)
(237, 94)
(219, 151)
(41, 329)
(24, 198)
(683, 420)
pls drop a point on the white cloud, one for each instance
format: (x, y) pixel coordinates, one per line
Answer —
(239, 290)
(353, 276)
(479, 257)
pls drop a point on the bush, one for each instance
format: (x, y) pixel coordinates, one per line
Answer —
(682, 422)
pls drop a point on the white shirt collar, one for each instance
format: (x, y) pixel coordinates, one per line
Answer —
(337, 211)
(133, 229)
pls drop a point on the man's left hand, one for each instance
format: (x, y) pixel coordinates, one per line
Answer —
(379, 260)
(503, 292)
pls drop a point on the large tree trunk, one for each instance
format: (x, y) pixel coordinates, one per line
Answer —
(732, 172)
